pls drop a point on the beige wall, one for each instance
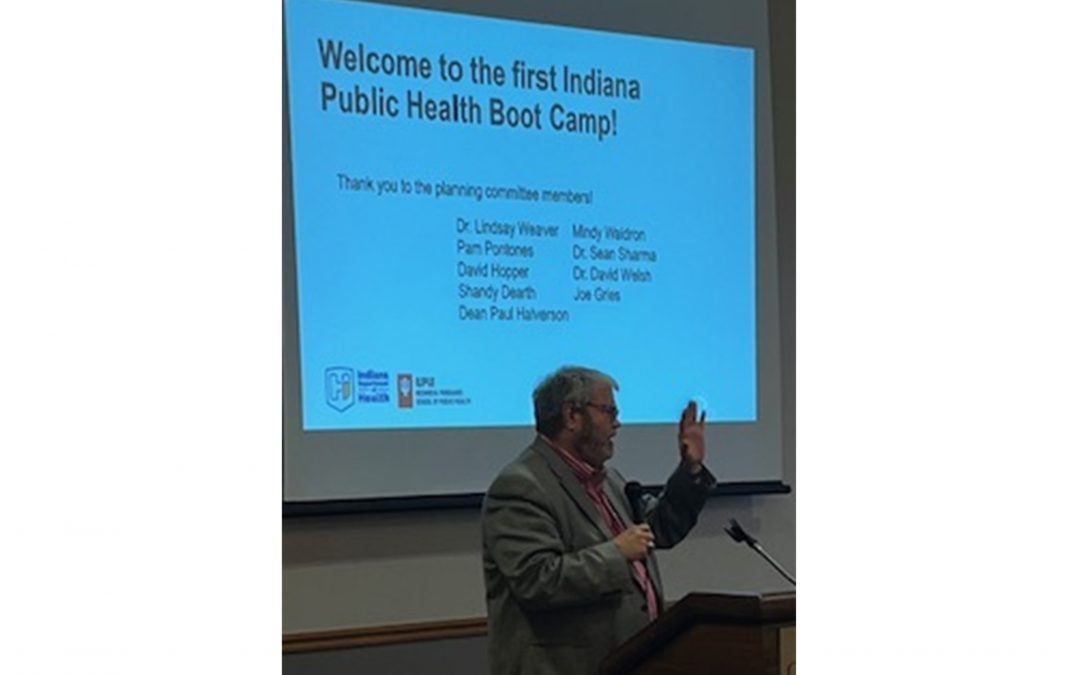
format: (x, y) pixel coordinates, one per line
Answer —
(425, 566)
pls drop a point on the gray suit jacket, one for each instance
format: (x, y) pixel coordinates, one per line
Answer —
(560, 596)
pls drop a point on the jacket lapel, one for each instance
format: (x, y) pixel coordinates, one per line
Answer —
(618, 501)
(569, 482)
(573, 487)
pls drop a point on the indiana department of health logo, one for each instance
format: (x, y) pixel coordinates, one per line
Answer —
(340, 385)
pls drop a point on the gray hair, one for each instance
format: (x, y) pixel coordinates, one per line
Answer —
(568, 385)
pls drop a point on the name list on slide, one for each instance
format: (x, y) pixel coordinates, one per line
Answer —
(518, 270)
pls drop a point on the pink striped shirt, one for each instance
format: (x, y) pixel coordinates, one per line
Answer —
(593, 481)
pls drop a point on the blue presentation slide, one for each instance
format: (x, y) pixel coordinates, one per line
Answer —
(478, 201)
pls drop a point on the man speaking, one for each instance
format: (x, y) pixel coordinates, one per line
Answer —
(569, 575)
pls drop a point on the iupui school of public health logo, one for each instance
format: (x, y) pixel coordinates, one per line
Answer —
(340, 388)
(404, 390)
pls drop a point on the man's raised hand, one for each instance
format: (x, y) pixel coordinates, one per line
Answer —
(692, 437)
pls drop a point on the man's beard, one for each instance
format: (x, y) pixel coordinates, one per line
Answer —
(593, 448)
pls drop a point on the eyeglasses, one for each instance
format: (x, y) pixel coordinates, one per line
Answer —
(610, 410)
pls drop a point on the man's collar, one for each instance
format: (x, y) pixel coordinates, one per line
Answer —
(583, 471)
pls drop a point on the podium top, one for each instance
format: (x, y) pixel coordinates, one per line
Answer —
(735, 609)
(738, 607)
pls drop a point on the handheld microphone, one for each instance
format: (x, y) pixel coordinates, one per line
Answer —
(633, 495)
(740, 535)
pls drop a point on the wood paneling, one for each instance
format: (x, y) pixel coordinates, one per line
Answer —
(349, 638)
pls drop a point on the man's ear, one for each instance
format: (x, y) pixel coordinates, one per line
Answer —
(569, 417)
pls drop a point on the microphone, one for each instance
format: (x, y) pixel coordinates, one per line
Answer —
(633, 495)
(740, 535)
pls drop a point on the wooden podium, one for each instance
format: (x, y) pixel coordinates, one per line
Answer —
(714, 633)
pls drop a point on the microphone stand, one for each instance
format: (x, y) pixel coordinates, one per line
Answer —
(736, 532)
